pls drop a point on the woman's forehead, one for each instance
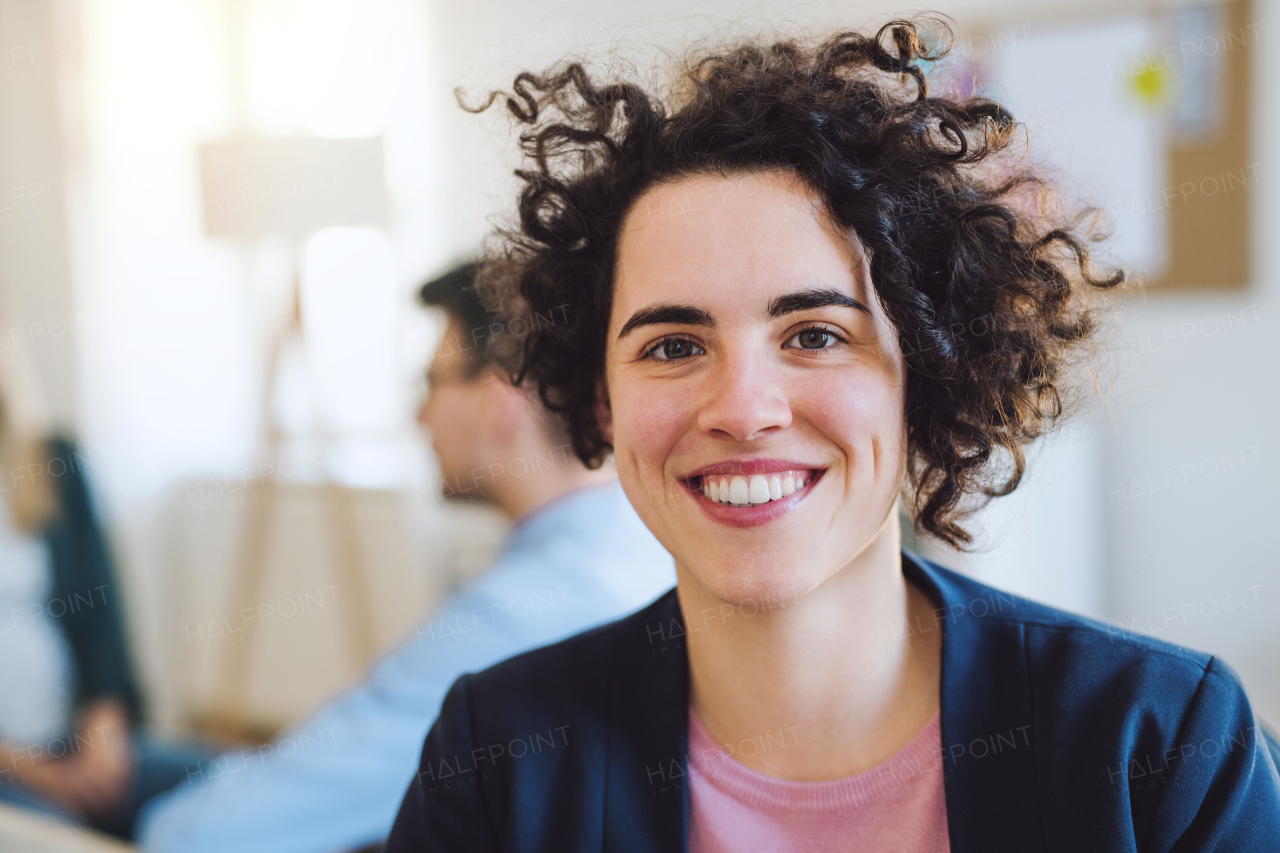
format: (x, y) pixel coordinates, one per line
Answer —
(733, 241)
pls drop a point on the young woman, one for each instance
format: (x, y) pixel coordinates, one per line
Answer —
(802, 289)
(70, 747)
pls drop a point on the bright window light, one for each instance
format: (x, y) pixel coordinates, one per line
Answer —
(349, 319)
(323, 64)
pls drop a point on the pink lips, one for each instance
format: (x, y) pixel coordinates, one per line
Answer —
(755, 514)
(747, 467)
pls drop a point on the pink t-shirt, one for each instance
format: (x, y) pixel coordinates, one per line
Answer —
(898, 806)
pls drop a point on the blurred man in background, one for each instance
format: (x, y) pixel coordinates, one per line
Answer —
(576, 556)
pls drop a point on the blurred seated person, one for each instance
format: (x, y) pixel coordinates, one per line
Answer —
(577, 556)
(69, 702)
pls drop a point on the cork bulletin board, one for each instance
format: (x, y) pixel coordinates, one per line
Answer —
(1151, 109)
(1210, 226)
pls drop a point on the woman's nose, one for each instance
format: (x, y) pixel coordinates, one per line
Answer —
(746, 398)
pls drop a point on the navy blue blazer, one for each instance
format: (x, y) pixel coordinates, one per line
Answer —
(1058, 734)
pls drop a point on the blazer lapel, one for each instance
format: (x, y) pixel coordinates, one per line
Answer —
(646, 777)
(987, 740)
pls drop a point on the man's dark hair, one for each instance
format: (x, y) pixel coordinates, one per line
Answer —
(987, 283)
(455, 292)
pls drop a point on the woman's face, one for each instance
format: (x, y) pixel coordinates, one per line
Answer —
(747, 353)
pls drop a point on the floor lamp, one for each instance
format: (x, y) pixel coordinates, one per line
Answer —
(252, 188)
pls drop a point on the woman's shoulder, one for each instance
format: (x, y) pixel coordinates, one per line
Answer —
(538, 723)
(1051, 634)
(1064, 715)
(1074, 668)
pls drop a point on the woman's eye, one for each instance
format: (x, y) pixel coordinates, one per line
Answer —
(673, 349)
(814, 338)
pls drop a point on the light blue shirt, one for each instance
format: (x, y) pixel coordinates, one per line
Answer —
(335, 781)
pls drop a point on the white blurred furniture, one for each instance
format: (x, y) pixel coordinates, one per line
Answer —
(292, 639)
(24, 832)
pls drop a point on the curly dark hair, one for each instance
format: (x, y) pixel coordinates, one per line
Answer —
(988, 287)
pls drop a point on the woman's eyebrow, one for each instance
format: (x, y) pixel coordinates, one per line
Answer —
(802, 300)
(664, 313)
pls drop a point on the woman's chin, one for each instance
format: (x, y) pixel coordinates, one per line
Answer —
(755, 588)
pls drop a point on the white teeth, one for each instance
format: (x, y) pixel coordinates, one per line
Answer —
(756, 489)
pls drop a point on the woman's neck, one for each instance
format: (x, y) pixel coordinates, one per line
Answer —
(835, 675)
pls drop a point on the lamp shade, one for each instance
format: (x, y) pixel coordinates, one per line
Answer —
(295, 186)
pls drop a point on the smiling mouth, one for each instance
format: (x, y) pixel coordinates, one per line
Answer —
(755, 489)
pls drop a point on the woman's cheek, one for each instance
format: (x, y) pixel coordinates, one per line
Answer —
(646, 428)
(845, 406)
(862, 416)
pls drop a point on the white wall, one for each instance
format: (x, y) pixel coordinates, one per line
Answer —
(37, 322)
(171, 356)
